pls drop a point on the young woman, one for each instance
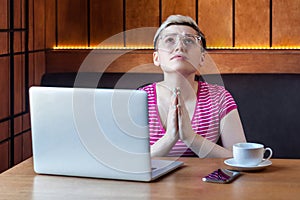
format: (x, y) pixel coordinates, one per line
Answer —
(188, 117)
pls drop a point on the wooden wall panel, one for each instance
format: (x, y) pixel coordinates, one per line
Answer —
(72, 22)
(251, 27)
(31, 69)
(249, 23)
(3, 43)
(23, 15)
(215, 20)
(4, 87)
(64, 61)
(143, 16)
(4, 156)
(27, 145)
(50, 19)
(286, 23)
(18, 14)
(252, 23)
(39, 67)
(260, 61)
(26, 121)
(18, 83)
(234, 61)
(18, 42)
(31, 25)
(4, 130)
(18, 24)
(3, 14)
(106, 21)
(171, 7)
(18, 128)
(18, 149)
(39, 24)
(136, 61)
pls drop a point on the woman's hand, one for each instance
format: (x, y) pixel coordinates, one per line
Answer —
(163, 146)
(172, 121)
(197, 143)
(185, 130)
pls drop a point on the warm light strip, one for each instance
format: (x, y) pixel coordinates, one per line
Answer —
(151, 47)
(104, 47)
(255, 48)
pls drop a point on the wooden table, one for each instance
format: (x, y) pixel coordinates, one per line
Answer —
(281, 180)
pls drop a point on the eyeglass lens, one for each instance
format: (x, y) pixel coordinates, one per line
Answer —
(170, 41)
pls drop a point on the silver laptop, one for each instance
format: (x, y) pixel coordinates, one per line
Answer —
(98, 133)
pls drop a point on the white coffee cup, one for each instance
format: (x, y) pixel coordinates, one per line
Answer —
(250, 154)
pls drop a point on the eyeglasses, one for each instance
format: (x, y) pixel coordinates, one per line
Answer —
(170, 41)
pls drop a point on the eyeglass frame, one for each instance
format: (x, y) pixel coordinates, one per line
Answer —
(197, 38)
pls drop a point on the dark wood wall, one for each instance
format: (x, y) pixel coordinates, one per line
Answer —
(22, 62)
(226, 23)
(232, 24)
(29, 29)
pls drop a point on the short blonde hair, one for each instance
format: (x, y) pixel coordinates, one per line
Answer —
(179, 20)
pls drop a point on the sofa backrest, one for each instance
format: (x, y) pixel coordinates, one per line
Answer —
(269, 104)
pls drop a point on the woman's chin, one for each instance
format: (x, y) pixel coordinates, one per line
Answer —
(180, 68)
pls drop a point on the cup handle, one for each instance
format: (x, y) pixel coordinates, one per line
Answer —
(271, 152)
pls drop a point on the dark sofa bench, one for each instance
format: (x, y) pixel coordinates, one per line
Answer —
(269, 104)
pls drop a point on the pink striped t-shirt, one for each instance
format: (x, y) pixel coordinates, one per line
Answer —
(213, 103)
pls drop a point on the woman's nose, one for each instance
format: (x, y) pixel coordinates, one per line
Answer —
(179, 46)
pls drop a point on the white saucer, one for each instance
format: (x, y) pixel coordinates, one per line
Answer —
(231, 162)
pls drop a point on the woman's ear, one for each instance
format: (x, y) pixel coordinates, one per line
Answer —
(156, 59)
(202, 58)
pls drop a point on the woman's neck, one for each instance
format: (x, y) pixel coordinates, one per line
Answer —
(187, 84)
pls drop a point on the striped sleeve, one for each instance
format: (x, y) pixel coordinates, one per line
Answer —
(225, 101)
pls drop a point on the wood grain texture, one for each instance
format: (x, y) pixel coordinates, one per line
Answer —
(4, 155)
(27, 145)
(172, 7)
(136, 61)
(18, 11)
(4, 129)
(278, 181)
(4, 87)
(18, 125)
(106, 24)
(142, 20)
(64, 61)
(31, 25)
(18, 42)
(252, 23)
(26, 121)
(31, 70)
(286, 23)
(215, 17)
(39, 66)
(242, 61)
(39, 24)
(50, 19)
(36, 67)
(215, 20)
(253, 61)
(18, 149)
(72, 22)
(18, 83)
(3, 14)
(3, 43)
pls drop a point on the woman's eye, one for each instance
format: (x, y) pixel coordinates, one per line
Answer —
(169, 40)
(188, 41)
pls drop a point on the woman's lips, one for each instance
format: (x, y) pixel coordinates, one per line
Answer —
(180, 57)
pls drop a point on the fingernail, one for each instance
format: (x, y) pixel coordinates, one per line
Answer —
(174, 91)
(178, 91)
